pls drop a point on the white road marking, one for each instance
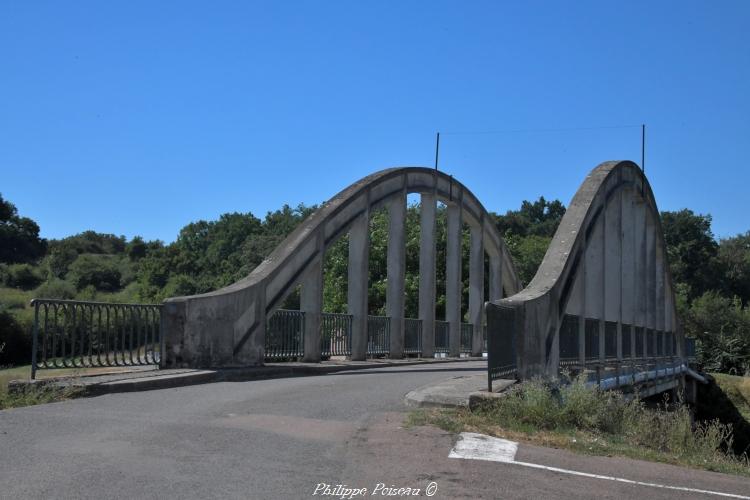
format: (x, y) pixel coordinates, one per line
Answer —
(480, 447)
(472, 446)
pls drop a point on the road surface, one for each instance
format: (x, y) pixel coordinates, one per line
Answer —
(284, 438)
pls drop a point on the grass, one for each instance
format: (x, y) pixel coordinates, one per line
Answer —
(737, 390)
(42, 394)
(594, 422)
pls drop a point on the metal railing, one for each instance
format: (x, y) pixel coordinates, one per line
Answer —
(335, 334)
(285, 332)
(412, 336)
(378, 335)
(569, 354)
(467, 334)
(442, 336)
(82, 334)
(690, 348)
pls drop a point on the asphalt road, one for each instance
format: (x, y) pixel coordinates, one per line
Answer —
(281, 439)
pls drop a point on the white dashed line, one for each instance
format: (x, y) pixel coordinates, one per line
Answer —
(472, 446)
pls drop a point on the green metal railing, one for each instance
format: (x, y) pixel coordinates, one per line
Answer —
(84, 334)
(467, 337)
(378, 335)
(285, 332)
(412, 336)
(336, 334)
(441, 336)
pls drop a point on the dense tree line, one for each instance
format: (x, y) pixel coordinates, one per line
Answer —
(712, 277)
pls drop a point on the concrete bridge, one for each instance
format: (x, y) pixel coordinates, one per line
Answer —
(602, 302)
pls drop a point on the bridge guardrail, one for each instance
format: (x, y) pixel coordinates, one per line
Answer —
(378, 335)
(467, 333)
(85, 334)
(441, 336)
(285, 335)
(412, 336)
(336, 334)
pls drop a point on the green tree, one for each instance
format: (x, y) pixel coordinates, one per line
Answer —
(734, 261)
(692, 250)
(19, 236)
(98, 271)
(538, 218)
(722, 327)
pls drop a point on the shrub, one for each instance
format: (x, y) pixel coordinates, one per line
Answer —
(56, 289)
(23, 276)
(98, 271)
(15, 340)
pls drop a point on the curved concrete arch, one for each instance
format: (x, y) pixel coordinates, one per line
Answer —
(607, 262)
(226, 327)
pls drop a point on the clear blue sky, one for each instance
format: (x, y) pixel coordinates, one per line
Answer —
(139, 117)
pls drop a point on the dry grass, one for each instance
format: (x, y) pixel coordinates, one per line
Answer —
(594, 422)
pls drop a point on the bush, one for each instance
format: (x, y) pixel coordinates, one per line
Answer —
(15, 340)
(98, 271)
(56, 289)
(23, 276)
(668, 428)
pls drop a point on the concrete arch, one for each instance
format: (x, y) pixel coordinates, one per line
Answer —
(606, 265)
(226, 327)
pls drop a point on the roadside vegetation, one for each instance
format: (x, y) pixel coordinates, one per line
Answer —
(595, 422)
(32, 395)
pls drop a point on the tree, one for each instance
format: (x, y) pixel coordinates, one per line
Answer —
(98, 271)
(692, 250)
(734, 261)
(539, 218)
(19, 236)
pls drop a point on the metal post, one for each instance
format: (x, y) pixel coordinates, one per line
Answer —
(34, 339)
(437, 150)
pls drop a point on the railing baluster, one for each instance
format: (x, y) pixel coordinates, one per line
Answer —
(77, 334)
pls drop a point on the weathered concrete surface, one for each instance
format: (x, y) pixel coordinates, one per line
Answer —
(227, 327)
(583, 270)
(454, 392)
(153, 379)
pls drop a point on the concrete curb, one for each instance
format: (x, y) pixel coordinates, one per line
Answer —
(457, 392)
(89, 386)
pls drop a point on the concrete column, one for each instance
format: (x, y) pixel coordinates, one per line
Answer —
(453, 279)
(359, 249)
(476, 287)
(594, 274)
(651, 280)
(613, 266)
(394, 303)
(628, 255)
(581, 279)
(639, 235)
(660, 295)
(427, 254)
(311, 303)
(496, 276)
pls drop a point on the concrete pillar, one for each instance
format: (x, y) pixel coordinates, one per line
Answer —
(453, 279)
(660, 295)
(628, 275)
(496, 276)
(594, 276)
(427, 259)
(613, 266)
(394, 303)
(651, 281)
(311, 303)
(359, 249)
(581, 293)
(476, 287)
(639, 234)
